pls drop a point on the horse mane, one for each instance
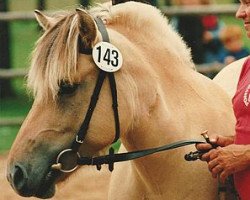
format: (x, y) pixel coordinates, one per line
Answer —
(55, 55)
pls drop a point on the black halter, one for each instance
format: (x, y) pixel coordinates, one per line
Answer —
(94, 98)
(73, 151)
(68, 154)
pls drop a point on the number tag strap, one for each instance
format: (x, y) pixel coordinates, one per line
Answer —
(102, 29)
(105, 55)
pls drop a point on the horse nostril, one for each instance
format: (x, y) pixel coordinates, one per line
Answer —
(19, 178)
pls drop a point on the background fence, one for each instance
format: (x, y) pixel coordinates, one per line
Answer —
(5, 17)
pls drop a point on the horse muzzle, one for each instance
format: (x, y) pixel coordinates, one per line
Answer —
(18, 179)
(27, 185)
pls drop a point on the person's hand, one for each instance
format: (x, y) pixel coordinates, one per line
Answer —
(224, 161)
(216, 140)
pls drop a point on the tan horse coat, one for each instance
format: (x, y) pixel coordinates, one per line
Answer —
(178, 103)
(162, 99)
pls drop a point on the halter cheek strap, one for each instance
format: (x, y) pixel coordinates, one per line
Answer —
(67, 154)
(94, 98)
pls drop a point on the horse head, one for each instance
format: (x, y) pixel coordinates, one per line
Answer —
(62, 80)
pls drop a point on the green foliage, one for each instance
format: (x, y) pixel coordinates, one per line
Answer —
(23, 37)
(15, 107)
(7, 136)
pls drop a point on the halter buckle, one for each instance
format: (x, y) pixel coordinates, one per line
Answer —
(66, 161)
(78, 140)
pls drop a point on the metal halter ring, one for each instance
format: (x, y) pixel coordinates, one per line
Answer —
(66, 161)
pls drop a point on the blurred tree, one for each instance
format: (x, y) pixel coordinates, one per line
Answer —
(84, 3)
(41, 4)
(5, 84)
(168, 2)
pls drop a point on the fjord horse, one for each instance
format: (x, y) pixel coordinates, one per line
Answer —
(161, 98)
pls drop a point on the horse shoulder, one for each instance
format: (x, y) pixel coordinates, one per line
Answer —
(228, 77)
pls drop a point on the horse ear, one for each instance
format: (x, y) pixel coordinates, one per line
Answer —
(87, 27)
(44, 21)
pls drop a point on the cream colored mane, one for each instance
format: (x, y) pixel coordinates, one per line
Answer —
(55, 56)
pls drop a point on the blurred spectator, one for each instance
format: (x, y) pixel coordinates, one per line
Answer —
(191, 29)
(211, 41)
(232, 38)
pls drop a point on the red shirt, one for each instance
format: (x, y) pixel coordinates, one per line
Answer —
(241, 105)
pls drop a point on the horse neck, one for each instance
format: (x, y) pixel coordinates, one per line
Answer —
(150, 126)
(153, 65)
(154, 124)
(148, 82)
(150, 131)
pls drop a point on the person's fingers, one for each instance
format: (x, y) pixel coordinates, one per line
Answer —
(216, 170)
(213, 153)
(209, 155)
(214, 139)
(212, 163)
(223, 176)
(203, 146)
(205, 157)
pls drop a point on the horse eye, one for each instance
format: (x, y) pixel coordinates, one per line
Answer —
(66, 88)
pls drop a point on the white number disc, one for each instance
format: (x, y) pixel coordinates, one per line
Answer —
(107, 57)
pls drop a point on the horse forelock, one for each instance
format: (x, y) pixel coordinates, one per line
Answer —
(54, 58)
